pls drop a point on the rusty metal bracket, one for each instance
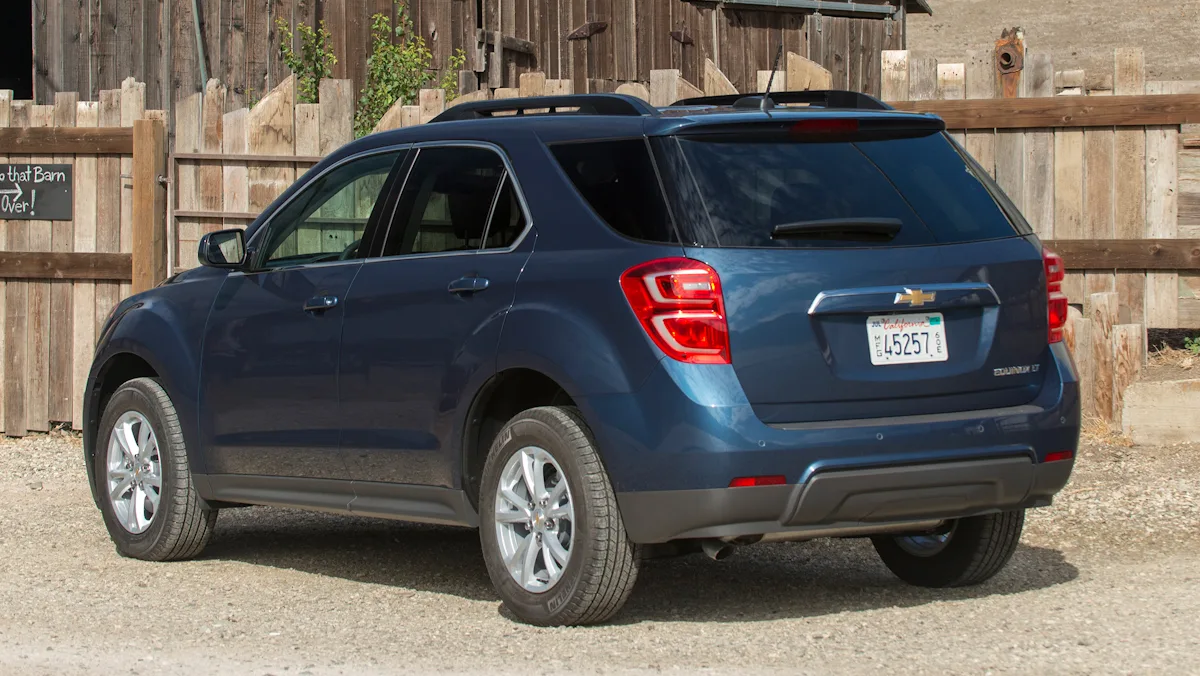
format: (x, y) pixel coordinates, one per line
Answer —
(1010, 61)
(682, 36)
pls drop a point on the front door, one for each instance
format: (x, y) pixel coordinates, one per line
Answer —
(424, 315)
(268, 396)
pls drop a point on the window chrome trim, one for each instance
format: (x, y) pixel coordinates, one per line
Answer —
(508, 169)
(251, 244)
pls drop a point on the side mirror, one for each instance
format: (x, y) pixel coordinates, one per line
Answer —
(223, 249)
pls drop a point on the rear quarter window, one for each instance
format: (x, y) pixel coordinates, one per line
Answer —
(617, 179)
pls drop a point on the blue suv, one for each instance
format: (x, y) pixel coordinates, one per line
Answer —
(600, 331)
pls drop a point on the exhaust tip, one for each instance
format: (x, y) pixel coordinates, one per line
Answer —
(716, 550)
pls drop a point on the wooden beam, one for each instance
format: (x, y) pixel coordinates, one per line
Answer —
(55, 265)
(1062, 111)
(1128, 254)
(507, 42)
(149, 204)
(66, 141)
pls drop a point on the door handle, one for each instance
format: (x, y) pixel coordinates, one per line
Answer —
(465, 285)
(320, 303)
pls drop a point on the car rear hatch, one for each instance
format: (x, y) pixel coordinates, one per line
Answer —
(869, 267)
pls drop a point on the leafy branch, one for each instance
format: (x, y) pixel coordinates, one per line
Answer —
(315, 61)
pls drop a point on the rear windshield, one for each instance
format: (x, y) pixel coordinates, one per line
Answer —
(734, 191)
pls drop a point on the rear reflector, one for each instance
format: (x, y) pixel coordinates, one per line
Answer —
(1056, 300)
(680, 305)
(769, 480)
(1059, 455)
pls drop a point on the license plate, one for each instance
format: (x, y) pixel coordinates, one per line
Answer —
(907, 339)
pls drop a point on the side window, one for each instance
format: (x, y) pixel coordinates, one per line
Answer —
(446, 201)
(617, 179)
(508, 219)
(326, 220)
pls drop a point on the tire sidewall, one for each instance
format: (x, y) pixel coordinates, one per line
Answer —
(134, 397)
(544, 607)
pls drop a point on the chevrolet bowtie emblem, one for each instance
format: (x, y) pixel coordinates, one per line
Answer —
(915, 297)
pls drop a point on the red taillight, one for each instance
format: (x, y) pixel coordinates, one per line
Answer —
(679, 303)
(770, 480)
(825, 126)
(1056, 300)
(1059, 455)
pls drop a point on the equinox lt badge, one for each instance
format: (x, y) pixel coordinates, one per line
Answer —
(1016, 370)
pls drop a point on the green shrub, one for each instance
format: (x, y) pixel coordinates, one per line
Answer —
(1192, 345)
(398, 71)
(315, 61)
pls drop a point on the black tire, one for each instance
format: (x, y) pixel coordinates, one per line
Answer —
(603, 564)
(978, 548)
(182, 525)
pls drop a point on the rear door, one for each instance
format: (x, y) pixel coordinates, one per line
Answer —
(424, 315)
(900, 283)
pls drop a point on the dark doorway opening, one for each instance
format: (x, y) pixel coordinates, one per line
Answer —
(16, 49)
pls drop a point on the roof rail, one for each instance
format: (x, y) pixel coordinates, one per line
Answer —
(587, 104)
(832, 98)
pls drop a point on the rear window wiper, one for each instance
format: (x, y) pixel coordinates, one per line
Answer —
(851, 229)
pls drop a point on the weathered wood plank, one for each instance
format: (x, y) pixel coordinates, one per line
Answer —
(1128, 347)
(337, 114)
(922, 76)
(804, 74)
(235, 175)
(1038, 81)
(83, 323)
(1129, 186)
(271, 128)
(108, 206)
(210, 174)
(133, 108)
(952, 85)
(16, 324)
(981, 84)
(715, 83)
(62, 239)
(1128, 254)
(149, 245)
(38, 307)
(894, 75)
(6, 96)
(1098, 143)
(66, 141)
(1162, 205)
(189, 114)
(1061, 111)
(1086, 364)
(65, 265)
(1104, 318)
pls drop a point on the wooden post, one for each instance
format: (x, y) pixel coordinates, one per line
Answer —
(149, 204)
(1104, 317)
(1127, 346)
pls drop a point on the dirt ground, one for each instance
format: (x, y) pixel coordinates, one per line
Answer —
(1106, 581)
(1078, 33)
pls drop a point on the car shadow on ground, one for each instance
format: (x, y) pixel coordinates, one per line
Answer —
(762, 582)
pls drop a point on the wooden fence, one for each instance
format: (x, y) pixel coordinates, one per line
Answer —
(60, 279)
(1111, 181)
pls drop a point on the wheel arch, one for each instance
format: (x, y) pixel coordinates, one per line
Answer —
(501, 397)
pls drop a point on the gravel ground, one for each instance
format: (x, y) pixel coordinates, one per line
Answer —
(1107, 581)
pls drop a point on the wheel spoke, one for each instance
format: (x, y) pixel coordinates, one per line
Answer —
(145, 443)
(516, 501)
(562, 511)
(556, 550)
(123, 485)
(132, 509)
(153, 496)
(152, 480)
(539, 479)
(531, 555)
(560, 489)
(129, 442)
(528, 471)
(553, 570)
(513, 562)
(512, 517)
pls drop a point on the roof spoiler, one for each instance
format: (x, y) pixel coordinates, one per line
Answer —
(831, 98)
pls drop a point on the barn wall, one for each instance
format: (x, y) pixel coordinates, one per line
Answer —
(91, 45)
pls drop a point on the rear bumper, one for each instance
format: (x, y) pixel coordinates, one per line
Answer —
(845, 499)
